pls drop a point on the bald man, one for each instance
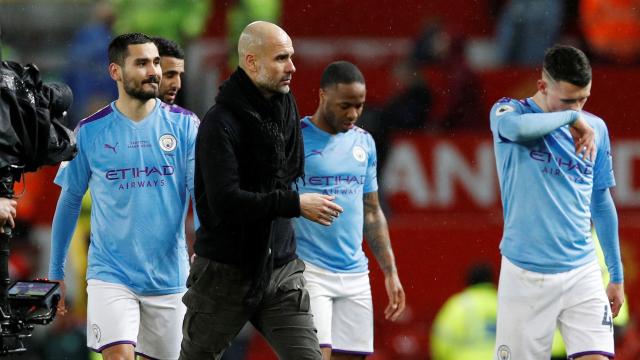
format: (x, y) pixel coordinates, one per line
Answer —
(249, 152)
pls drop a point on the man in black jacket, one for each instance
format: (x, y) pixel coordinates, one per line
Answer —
(249, 151)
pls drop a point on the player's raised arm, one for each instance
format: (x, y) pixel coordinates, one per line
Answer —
(517, 127)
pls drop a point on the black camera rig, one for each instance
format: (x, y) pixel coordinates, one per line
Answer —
(33, 135)
(23, 304)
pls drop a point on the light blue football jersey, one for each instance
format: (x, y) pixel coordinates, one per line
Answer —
(139, 175)
(342, 165)
(546, 192)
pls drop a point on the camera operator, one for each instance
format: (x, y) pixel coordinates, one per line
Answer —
(7, 212)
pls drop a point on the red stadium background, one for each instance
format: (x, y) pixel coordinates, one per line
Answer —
(441, 189)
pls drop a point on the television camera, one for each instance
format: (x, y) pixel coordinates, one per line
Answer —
(32, 135)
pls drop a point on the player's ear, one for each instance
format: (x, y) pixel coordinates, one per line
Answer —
(542, 86)
(115, 72)
(321, 95)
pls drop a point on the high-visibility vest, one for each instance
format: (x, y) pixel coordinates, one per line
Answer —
(465, 326)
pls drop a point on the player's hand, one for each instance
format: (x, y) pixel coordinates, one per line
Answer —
(319, 208)
(62, 309)
(584, 139)
(7, 213)
(615, 293)
(396, 297)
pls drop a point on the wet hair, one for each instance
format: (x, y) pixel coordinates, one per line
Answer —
(168, 48)
(566, 63)
(119, 47)
(341, 72)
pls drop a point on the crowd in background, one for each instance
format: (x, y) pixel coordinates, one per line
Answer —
(608, 30)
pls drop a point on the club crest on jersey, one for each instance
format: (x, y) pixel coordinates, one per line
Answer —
(359, 153)
(504, 353)
(503, 109)
(95, 329)
(168, 142)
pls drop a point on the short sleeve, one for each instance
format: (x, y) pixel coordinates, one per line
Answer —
(74, 175)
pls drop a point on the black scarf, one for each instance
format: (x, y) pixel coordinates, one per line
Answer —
(275, 142)
(280, 160)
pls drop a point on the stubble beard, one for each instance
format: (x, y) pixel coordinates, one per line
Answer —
(270, 85)
(137, 92)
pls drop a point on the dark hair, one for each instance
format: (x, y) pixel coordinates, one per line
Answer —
(479, 273)
(168, 48)
(119, 47)
(566, 63)
(341, 72)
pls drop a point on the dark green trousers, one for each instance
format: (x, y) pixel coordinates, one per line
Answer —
(216, 312)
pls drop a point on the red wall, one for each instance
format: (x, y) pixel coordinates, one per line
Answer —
(381, 18)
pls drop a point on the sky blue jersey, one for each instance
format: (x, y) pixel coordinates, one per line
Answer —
(547, 189)
(342, 165)
(139, 175)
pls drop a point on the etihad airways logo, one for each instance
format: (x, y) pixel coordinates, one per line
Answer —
(336, 180)
(570, 164)
(137, 172)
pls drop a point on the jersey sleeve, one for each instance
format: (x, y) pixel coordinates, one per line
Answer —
(63, 226)
(503, 108)
(191, 161)
(509, 124)
(371, 179)
(603, 168)
(73, 176)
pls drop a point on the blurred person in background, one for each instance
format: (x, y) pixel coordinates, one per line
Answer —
(462, 97)
(179, 21)
(611, 29)
(409, 107)
(408, 111)
(340, 160)
(465, 326)
(133, 155)
(432, 43)
(459, 97)
(172, 64)
(526, 28)
(554, 166)
(85, 72)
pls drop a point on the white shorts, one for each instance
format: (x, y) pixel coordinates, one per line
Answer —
(531, 305)
(342, 309)
(152, 324)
